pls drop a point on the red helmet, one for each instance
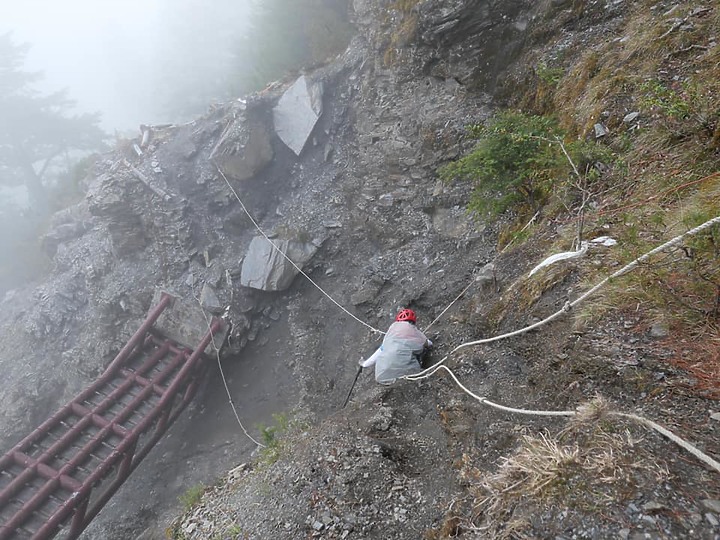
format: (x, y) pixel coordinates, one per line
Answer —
(406, 315)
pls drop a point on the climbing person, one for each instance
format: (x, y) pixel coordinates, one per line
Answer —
(401, 351)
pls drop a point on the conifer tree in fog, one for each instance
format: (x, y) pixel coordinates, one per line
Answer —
(36, 129)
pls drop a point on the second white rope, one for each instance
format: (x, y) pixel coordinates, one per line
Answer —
(568, 306)
(702, 456)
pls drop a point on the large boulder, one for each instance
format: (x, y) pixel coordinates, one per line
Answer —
(109, 198)
(267, 270)
(297, 112)
(244, 149)
(66, 225)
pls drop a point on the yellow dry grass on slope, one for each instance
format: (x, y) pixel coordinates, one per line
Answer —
(664, 66)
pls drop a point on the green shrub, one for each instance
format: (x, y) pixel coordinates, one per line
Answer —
(192, 496)
(549, 75)
(688, 108)
(271, 437)
(519, 159)
(658, 97)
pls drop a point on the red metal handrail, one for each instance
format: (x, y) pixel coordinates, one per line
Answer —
(165, 376)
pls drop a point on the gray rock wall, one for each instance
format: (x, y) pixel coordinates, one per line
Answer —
(366, 184)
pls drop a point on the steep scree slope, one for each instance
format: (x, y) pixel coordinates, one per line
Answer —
(402, 462)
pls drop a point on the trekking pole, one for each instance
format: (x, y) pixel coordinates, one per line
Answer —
(352, 387)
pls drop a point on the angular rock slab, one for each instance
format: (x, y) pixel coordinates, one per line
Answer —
(267, 270)
(297, 112)
(209, 299)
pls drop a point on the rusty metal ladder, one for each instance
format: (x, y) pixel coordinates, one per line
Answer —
(59, 477)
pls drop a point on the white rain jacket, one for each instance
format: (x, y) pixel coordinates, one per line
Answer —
(399, 354)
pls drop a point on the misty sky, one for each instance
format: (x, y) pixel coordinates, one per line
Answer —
(108, 53)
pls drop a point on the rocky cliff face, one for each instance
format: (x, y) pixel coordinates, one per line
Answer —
(363, 189)
(167, 219)
(369, 222)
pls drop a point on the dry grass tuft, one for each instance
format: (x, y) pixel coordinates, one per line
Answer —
(540, 465)
(533, 287)
(404, 29)
(542, 462)
(591, 412)
(700, 358)
(588, 466)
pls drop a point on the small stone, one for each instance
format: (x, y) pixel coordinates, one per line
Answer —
(209, 299)
(383, 419)
(486, 276)
(624, 534)
(659, 330)
(652, 506)
(318, 525)
(601, 131)
(386, 200)
(715, 416)
(631, 117)
(713, 505)
(711, 519)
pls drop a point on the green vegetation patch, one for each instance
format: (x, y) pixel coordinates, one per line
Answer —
(520, 159)
(192, 496)
(272, 437)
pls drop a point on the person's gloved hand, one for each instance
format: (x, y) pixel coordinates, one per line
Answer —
(429, 344)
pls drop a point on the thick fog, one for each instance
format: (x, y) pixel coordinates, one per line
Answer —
(134, 62)
(114, 55)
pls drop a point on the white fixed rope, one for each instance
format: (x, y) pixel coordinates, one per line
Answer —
(569, 305)
(222, 374)
(712, 463)
(288, 259)
(709, 461)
